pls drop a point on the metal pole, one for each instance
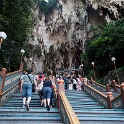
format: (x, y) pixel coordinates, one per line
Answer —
(116, 73)
(21, 57)
(94, 73)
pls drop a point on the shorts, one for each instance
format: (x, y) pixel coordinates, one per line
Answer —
(26, 90)
(47, 92)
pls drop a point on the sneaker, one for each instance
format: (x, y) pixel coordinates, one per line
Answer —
(48, 108)
(42, 105)
(27, 107)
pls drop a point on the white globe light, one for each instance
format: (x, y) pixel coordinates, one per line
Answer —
(46, 0)
(30, 59)
(3, 35)
(22, 51)
(92, 63)
(113, 58)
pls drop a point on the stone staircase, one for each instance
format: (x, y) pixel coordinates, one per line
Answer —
(13, 112)
(89, 111)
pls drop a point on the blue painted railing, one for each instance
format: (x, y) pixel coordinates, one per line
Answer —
(9, 84)
(106, 100)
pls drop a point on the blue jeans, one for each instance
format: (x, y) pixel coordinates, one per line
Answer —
(26, 90)
(47, 92)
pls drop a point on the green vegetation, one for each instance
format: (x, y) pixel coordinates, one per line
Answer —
(37, 50)
(47, 7)
(108, 43)
(16, 21)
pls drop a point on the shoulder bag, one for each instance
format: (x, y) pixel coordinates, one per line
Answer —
(33, 85)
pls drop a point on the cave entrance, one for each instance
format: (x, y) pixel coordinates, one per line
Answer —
(77, 59)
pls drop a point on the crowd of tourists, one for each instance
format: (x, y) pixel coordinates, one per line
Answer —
(44, 86)
(73, 82)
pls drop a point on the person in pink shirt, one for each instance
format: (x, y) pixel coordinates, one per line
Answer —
(79, 84)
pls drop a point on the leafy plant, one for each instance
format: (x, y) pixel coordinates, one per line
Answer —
(108, 43)
(47, 7)
(16, 21)
(37, 50)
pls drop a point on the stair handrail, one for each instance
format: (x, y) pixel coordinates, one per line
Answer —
(66, 111)
(9, 84)
(2, 78)
(67, 114)
(104, 100)
(99, 86)
(112, 103)
(116, 87)
(55, 89)
(118, 102)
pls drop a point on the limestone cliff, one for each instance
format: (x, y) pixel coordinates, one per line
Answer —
(63, 36)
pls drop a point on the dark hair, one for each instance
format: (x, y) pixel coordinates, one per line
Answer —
(29, 71)
(40, 75)
(74, 77)
(47, 78)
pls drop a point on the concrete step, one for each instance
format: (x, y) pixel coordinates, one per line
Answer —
(30, 122)
(89, 111)
(13, 112)
(33, 109)
(101, 122)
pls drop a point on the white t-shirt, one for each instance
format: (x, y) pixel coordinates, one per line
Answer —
(74, 81)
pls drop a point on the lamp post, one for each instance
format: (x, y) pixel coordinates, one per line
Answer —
(81, 67)
(93, 70)
(113, 59)
(34, 67)
(2, 37)
(30, 63)
(22, 52)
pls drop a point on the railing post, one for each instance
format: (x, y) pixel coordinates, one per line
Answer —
(21, 67)
(61, 88)
(109, 98)
(3, 75)
(114, 85)
(108, 87)
(122, 92)
(82, 87)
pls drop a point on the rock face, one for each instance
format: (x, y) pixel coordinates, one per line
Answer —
(63, 36)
